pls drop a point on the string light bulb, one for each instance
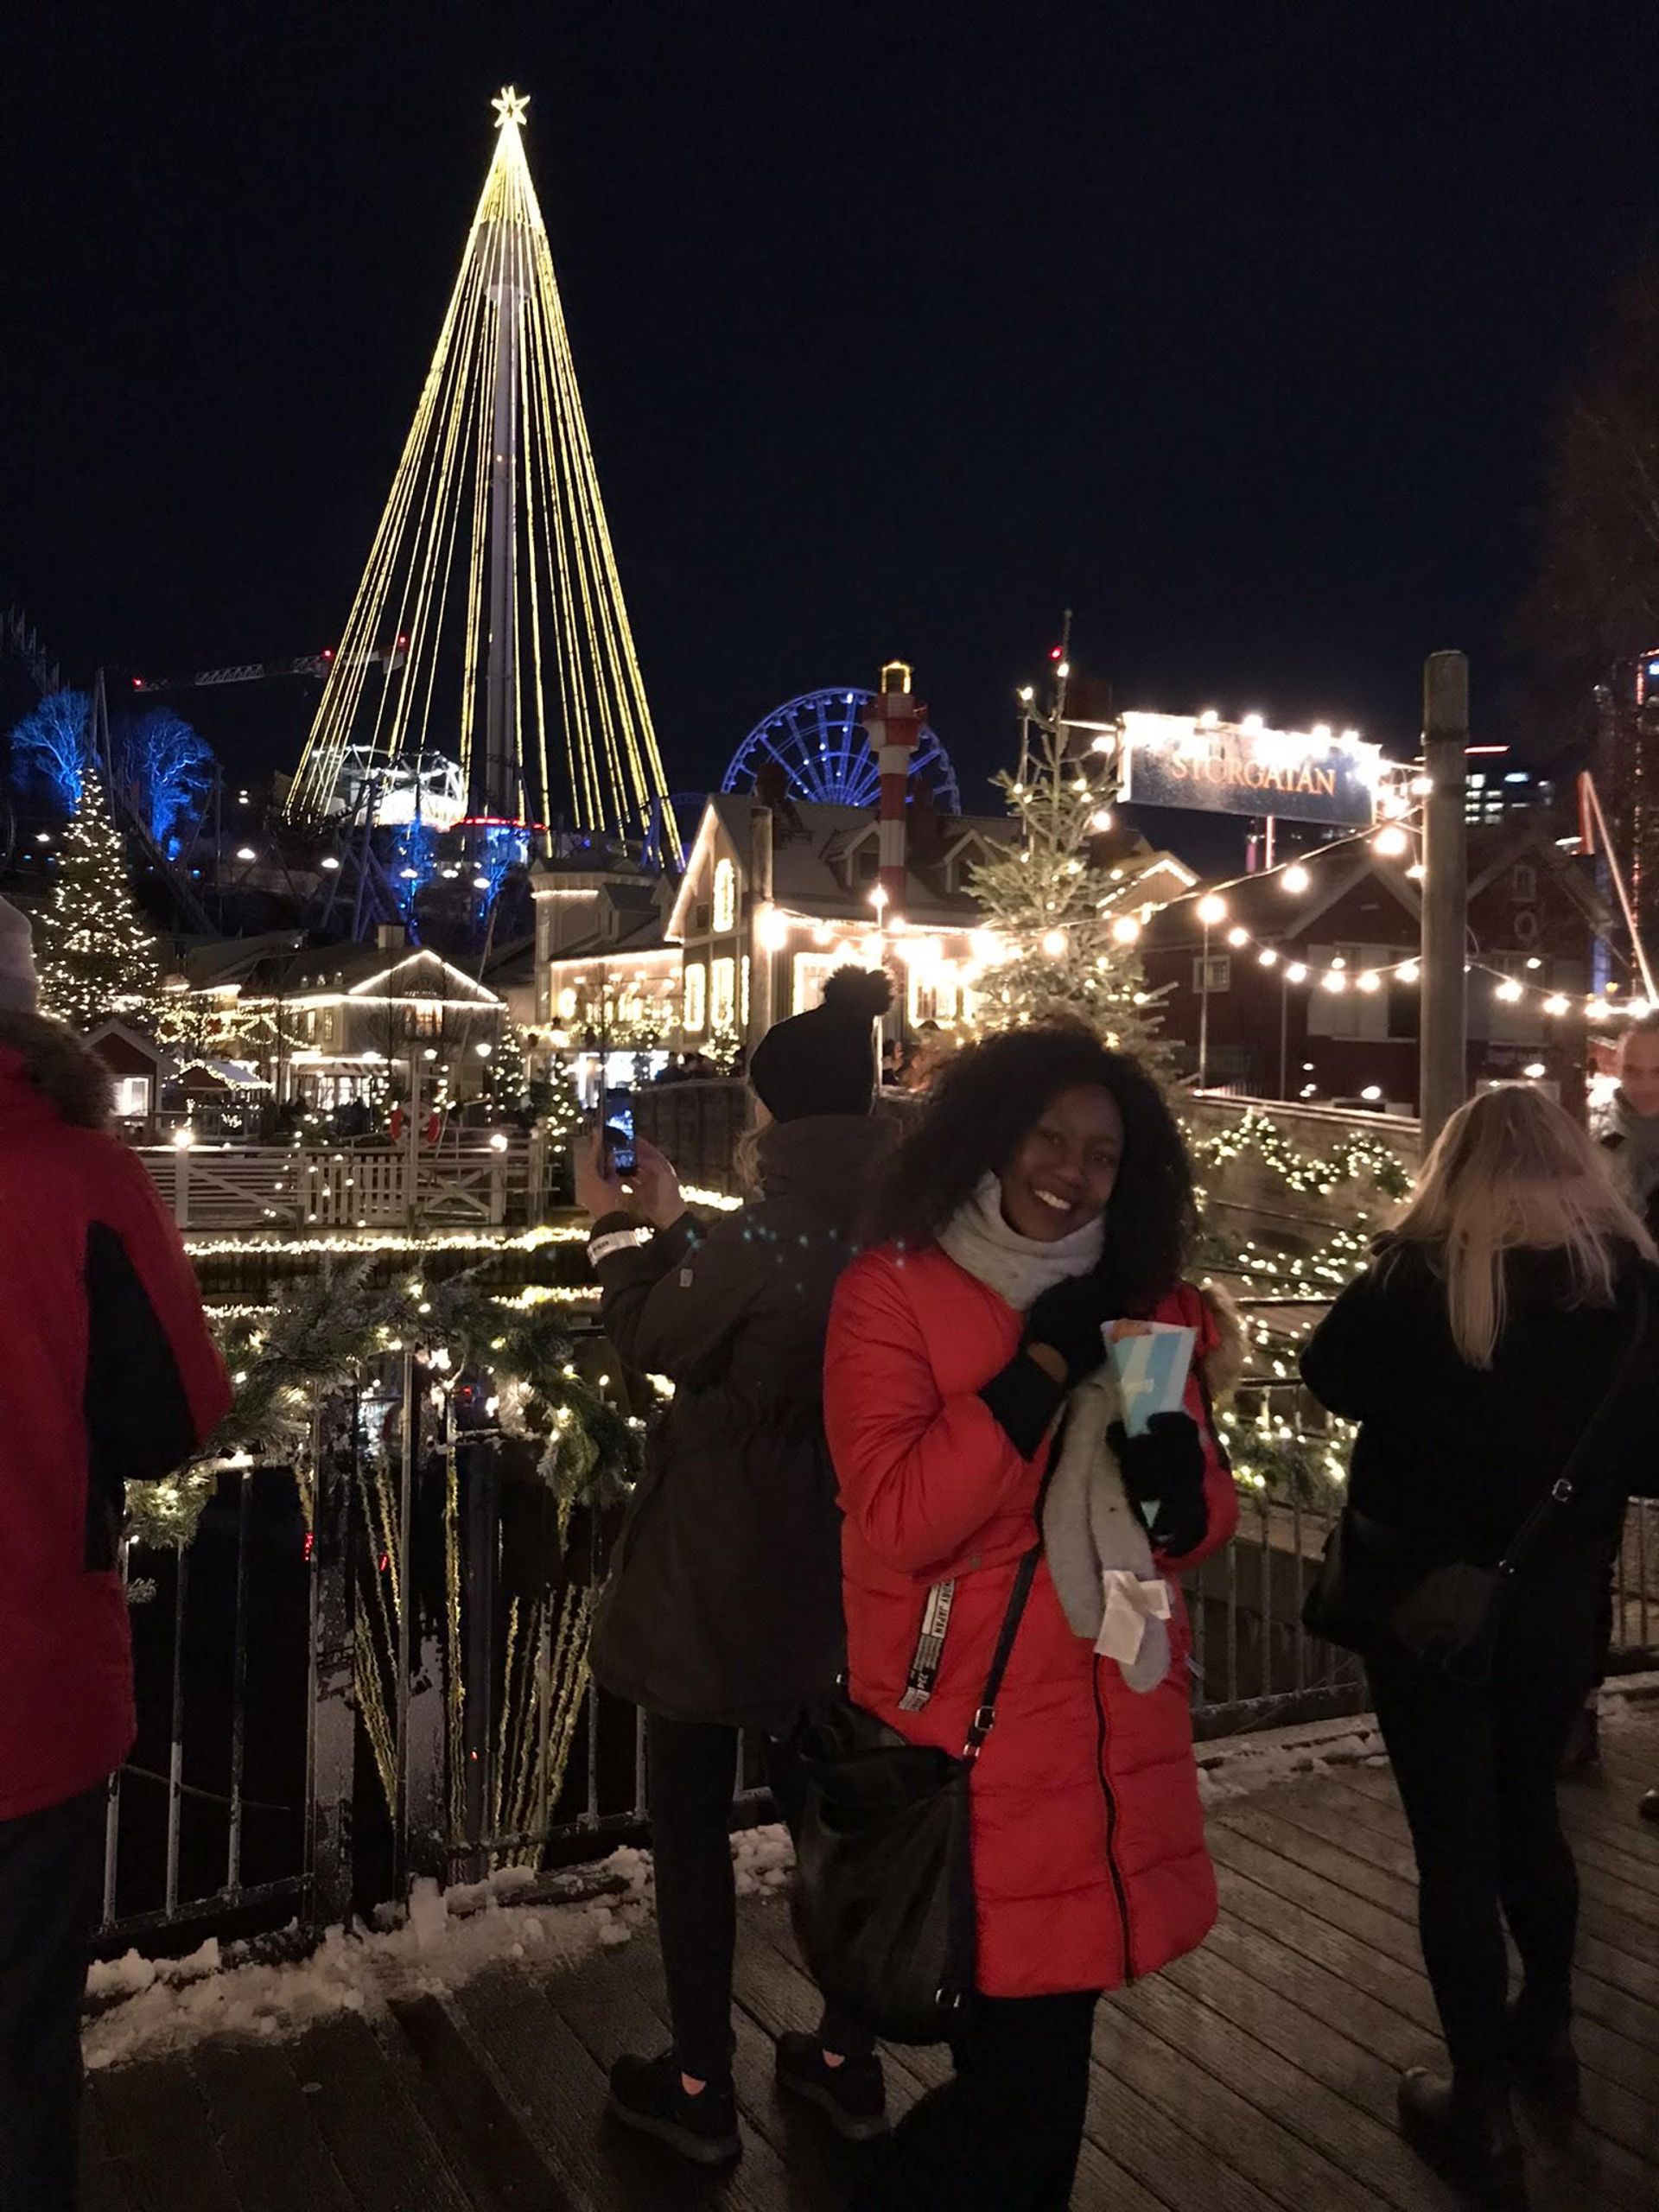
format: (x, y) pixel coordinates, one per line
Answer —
(1555, 1004)
(1509, 990)
(1126, 929)
(1296, 973)
(1391, 842)
(1236, 936)
(1212, 909)
(1268, 956)
(1295, 880)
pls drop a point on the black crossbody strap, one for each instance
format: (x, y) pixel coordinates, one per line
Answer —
(985, 1719)
(1564, 1488)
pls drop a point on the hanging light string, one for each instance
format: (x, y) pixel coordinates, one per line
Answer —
(1392, 841)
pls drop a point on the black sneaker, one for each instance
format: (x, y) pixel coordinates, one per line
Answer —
(1466, 2133)
(647, 2093)
(853, 2095)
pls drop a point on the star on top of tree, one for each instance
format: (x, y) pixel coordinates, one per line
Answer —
(510, 105)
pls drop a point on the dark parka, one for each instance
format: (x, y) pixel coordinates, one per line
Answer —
(724, 1601)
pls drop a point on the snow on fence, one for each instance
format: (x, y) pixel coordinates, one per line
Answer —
(386, 1679)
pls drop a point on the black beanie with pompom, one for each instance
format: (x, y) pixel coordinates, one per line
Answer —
(823, 1062)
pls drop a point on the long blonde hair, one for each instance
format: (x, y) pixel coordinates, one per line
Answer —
(1512, 1169)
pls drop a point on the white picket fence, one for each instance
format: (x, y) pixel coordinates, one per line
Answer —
(211, 1187)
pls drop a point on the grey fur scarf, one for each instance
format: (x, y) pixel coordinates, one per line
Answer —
(1099, 1554)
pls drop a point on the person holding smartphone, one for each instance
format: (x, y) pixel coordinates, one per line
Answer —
(723, 1609)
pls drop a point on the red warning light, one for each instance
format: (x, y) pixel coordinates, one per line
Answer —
(138, 682)
(1053, 653)
(402, 639)
(328, 652)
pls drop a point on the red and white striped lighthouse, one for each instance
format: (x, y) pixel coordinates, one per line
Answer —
(893, 726)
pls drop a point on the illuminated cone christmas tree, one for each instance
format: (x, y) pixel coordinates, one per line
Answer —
(98, 959)
(1068, 933)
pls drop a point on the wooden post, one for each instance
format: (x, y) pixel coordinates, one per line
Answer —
(1444, 990)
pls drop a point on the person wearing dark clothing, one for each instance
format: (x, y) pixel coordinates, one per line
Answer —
(1493, 1329)
(723, 1609)
(108, 1374)
(1627, 1129)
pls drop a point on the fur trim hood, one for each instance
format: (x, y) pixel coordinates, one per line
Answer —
(1223, 1363)
(49, 1057)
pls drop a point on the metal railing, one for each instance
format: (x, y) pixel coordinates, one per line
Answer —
(385, 1675)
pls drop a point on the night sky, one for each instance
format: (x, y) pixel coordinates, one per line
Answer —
(1240, 329)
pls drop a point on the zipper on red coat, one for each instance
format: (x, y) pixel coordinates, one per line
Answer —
(1118, 1890)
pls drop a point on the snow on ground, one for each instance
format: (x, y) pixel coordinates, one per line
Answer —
(146, 2007)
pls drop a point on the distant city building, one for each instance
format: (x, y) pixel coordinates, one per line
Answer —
(1496, 785)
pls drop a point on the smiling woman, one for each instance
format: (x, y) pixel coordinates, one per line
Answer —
(994, 1502)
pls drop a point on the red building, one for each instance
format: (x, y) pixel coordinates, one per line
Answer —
(1307, 988)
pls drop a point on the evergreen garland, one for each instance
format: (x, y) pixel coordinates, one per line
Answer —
(326, 1328)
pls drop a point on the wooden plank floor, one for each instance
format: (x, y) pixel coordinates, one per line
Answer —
(1257, 2075)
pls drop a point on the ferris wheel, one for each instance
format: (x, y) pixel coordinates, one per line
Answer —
(818, 742)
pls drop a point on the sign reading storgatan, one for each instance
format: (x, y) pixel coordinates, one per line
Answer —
(1240, 768)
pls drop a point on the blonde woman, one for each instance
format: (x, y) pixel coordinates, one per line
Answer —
(1497, 1322)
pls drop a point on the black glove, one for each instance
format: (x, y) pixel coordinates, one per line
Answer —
(1164, 1468)
(1068, 1318)
(1025, 1397)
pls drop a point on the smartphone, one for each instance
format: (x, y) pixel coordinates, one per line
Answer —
(618, 1132)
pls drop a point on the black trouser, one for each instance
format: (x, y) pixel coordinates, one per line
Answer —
(1004, 2134)
(49, 1869)
(693, 1768)
(1477, 1767)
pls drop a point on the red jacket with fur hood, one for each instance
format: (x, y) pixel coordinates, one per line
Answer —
(1089, 1863)
(107, 1374)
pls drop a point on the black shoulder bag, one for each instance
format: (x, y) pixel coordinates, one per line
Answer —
(883, 1900)
(1374, 1587)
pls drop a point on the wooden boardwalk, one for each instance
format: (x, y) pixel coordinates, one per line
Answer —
(1255, 2076)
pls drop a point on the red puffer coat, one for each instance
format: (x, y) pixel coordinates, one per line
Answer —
(1089, 1863)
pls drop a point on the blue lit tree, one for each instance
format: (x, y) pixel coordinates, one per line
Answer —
(49, 747)
(168, 772)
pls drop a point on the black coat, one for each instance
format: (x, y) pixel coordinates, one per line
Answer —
(724, 1601)
(1459, 1455)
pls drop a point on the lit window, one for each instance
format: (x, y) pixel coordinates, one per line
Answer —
(725, 898)
(696, 986)
(812, 971)
(131, 1097)
(723, 998)
(567, 1005)
(743, 997)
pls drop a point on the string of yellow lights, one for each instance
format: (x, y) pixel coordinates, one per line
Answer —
(490, 597)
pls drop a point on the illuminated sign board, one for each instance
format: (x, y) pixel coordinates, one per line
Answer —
(1220, 767)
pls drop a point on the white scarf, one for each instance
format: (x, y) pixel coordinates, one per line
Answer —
(1099, 1554)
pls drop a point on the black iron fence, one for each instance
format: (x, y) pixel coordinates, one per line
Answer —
(375, 1668)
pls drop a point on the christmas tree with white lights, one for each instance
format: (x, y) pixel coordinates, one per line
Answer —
(1067, 926)
(98, 959)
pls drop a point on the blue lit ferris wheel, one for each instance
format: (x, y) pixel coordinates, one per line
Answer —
(818, 742)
